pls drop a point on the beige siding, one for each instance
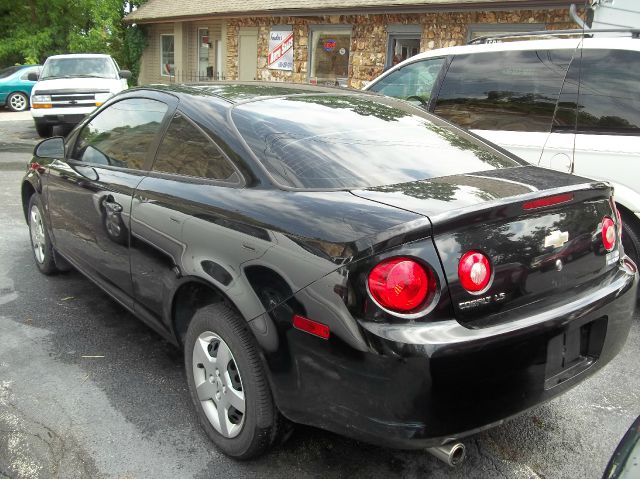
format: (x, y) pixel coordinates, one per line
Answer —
(150, 64)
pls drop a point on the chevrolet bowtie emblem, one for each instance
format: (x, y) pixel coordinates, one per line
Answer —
(556, 239)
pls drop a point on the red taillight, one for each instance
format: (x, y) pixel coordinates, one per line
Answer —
(608, 233)
(474, 271)
(310, 326)
(548, 201)
(400, 284)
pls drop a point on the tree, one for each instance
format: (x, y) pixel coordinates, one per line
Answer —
(35, 29)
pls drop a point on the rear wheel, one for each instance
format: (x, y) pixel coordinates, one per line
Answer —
(44, 130)
(227, 383)
(18, 101)
(631, 236)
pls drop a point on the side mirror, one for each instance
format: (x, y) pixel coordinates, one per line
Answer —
(124, 74)
(50, 148)
(33, 76)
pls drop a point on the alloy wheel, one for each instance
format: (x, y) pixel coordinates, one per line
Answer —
(18, 102)
(218, 384)
(37, 233)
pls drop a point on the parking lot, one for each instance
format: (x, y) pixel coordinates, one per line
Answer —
(86, 390)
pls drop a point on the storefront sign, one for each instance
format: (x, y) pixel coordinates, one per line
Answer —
(280, 50)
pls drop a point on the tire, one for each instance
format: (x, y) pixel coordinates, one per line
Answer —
(631, 236)
(215, 330)
(44, 130)
(18, 101)
(41, 246)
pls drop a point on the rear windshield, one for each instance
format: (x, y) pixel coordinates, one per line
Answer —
(355, 142)
(78, 67)
(5, 72)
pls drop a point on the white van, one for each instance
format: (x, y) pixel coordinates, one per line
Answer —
(71, 86)
(568, 104)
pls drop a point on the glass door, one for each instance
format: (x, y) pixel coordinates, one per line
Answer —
(204, 71)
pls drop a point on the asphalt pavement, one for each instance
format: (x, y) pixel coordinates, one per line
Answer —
(88, 391)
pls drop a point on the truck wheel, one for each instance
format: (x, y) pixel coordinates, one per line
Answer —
(18, 101)
(44, 130)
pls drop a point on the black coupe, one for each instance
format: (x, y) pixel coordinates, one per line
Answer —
(338, 259)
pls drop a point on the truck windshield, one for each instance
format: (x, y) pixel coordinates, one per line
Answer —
(79, 67)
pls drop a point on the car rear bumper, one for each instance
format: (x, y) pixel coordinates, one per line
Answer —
(428, 384)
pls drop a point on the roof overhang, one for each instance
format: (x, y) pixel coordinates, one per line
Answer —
(364, 10)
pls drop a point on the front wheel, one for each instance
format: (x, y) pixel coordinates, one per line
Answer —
(227, 383)
(40, 241)
(18, 101)
(44, 130)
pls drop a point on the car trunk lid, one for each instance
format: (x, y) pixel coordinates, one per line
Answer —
(538, 255)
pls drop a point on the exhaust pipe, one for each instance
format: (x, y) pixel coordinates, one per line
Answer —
(453, 453)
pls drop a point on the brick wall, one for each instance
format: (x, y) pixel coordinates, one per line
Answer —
(369, 37)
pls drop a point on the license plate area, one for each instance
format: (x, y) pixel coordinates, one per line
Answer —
(574, 350)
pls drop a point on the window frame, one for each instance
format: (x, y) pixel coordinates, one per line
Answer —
(171, 103)
(162, 73)
(503, 28)
(331, 28)
(241, 183)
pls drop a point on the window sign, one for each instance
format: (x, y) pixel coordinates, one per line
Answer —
(280, 50)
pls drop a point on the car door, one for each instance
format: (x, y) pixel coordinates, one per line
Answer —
(507, 97)
(89, 194)
(180, 224)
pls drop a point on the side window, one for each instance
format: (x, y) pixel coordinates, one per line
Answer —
(27, 71)
(609, 92)
(187, 150)
(507, 90)
(121, 134)
(414, 80)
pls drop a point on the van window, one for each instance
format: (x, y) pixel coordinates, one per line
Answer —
(507, 90)
(186, 150)
(609, 93)
(414, 81)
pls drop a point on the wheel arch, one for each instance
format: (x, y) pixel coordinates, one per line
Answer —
(28, 189)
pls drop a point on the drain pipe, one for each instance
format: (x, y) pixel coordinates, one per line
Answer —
(573, 13)
(452, 453)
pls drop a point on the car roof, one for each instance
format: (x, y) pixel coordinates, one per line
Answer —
(235, 92)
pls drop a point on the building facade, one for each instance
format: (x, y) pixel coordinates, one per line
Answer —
(338, 43)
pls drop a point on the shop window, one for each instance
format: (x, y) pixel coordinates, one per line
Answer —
(329, 55)
(167, 65)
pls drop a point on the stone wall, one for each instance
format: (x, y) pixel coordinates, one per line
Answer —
(369, 37)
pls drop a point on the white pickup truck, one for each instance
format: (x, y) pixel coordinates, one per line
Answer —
(71, 86)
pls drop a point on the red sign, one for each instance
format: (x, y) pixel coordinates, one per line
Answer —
(329, 45)
(280, 49)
